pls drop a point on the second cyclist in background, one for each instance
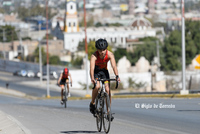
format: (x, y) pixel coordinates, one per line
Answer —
(64, 79)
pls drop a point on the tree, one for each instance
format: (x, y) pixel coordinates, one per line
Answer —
(10, 33)
(98, 24)
(50, 37)
(34, 11)
(77, 61)
(2, 10)
(54, 60)
(90, 22)
(36, 55)
(119, 53)
(81, 46)
(172, 50)
(91, 48)
(148, 50)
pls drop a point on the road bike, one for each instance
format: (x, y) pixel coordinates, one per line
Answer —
(65, 94)
(103, 108)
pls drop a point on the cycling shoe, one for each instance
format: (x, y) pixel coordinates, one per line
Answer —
(92, 108)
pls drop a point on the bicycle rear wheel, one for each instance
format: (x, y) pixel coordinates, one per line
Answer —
(106, 113)
(65, 97)
(98, 114)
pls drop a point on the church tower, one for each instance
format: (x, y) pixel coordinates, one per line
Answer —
(71, 19)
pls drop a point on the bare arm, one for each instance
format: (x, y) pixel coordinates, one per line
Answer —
(113, 64)
(70, 77)
(92, 66)
(60, 78)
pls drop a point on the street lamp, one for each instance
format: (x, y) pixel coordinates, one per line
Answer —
(47, 49)
(183, 91)
(86, 52)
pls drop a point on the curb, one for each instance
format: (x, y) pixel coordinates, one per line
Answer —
(136, 96)
(158, 96)
(21, 94)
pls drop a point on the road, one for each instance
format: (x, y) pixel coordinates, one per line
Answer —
(36, 89)
(132, 116)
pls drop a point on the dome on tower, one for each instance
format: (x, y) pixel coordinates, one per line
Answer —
(141, 23)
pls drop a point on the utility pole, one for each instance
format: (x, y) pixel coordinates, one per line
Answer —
(158, 54)
(40, 56)
(48, 93)
(86, 53)
(183, 91)
(20, 44)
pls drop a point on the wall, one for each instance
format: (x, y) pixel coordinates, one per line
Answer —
(79, 75)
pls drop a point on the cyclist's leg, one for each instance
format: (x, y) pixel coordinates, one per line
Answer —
(94, 95)
(107, 87)
(62, 85)
(67, 81)
(95, 92)
(62, 88)
(107, 83)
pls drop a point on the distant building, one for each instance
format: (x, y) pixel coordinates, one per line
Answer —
(38, 23)
(131, 6)
(116, 36)
(7, 2)
(151, 6)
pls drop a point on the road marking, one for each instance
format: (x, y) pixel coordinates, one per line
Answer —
(139, 125)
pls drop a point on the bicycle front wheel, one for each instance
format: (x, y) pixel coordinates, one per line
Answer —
(106, 113)
(98, 114)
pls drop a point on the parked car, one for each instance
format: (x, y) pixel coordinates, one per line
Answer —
(20, 73)
(52, 75)
(30, 73)
(23, 72)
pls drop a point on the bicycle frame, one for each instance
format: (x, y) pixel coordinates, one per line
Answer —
(65, 93)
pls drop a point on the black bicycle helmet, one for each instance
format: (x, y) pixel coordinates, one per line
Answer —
(101, 44)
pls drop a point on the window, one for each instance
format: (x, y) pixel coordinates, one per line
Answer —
(71, 7)
(69, 24)
(74, 24)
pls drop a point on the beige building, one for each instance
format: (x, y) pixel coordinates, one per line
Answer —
(12, 49)
(56, 47)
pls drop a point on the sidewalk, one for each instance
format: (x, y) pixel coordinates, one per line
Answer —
(53, 86)
(8, 124)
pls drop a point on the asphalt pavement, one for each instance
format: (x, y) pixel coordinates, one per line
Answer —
(8, 124)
